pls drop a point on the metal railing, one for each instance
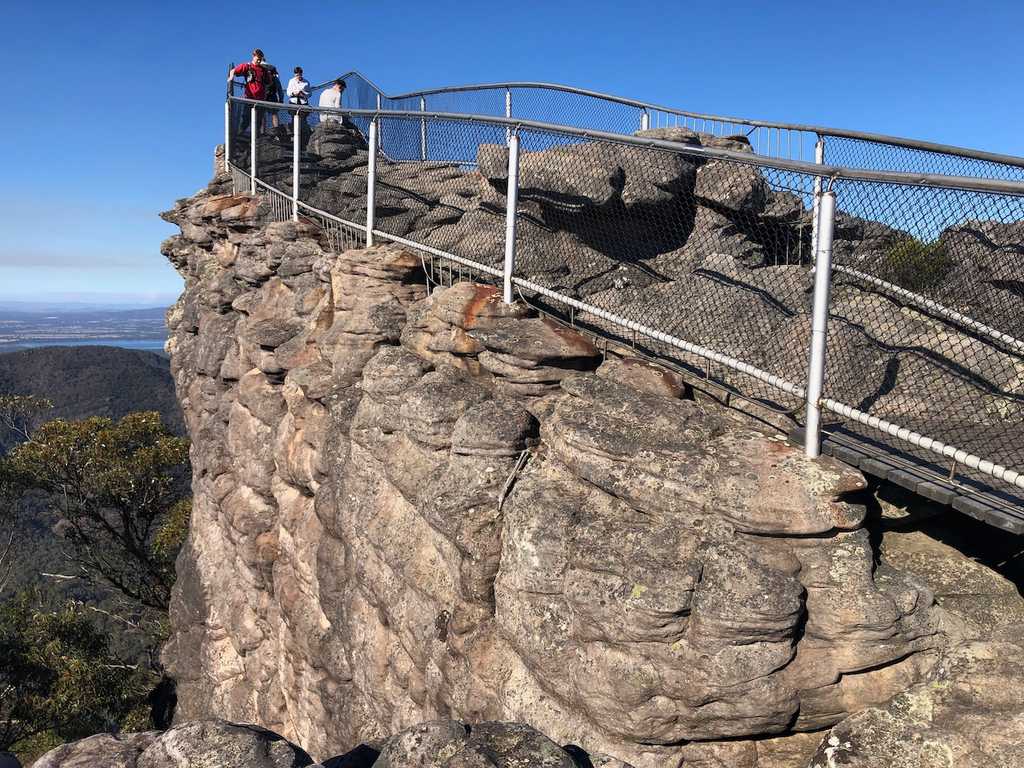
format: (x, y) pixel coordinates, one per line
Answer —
(700, 255)
(583, 108)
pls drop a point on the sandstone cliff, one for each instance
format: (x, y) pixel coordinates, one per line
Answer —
(413, 505)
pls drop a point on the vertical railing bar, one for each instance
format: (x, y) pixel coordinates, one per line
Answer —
(512, 204)
(227, 134)
(371, 179)
(508, 114)
(819, 158)
(297, 130)
(378, 109)
(423, 129)
(819, 324)
(252, 151)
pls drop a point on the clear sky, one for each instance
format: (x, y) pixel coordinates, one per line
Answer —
(114, 107)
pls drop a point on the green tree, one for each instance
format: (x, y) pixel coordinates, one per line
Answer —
(58, 676)
(114, 486)
(19, 415)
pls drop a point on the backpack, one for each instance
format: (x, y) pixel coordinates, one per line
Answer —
(256, 73)
(272, 82)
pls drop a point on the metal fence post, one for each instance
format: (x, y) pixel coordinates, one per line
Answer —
(508, 114)
(378, 109)
(819, 324)
(819, 159)
(252, 151)
(371, 181)
(227, 135)
(645, 120)
(297, 130)
(512, 204)
(423, 129)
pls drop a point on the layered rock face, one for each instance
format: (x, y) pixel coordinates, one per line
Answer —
(970, 711)
(414, 505)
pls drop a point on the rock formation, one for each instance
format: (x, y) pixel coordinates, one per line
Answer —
(211, 744)
(415, 505)
(217, 744)
(969, 712)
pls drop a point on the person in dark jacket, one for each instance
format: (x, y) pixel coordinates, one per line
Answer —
(275, 92)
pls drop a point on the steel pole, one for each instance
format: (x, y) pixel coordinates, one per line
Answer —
(819, 323)
(297, 130)
(371, 182)
(252, 151)
(227, 135)
(423, 129)
(378, 109)
(508, 114)
(512, 204)
(819, 159)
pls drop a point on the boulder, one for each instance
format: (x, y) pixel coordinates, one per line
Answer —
(969, 713)
(105, 749)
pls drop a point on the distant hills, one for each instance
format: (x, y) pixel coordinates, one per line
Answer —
(93, 381)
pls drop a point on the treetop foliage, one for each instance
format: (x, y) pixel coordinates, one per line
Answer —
(113, 484)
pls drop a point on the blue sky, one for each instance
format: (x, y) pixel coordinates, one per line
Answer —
(122, 102)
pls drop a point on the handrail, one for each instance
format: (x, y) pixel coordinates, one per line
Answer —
(960, 456)
(879, 138)
(799, 166)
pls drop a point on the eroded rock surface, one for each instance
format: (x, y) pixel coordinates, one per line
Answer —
(209, 744)
(435, 744)
(412, 507)
(968, 712)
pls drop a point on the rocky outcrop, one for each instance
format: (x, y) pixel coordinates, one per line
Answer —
(413, 506)
(211, 744)
(969, 712)
(435, 744)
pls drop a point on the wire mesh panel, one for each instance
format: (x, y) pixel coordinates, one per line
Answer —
(333, 164)
(442, 203)
(713, 252)
(280, 204)
(925, 327)
(700, 258)
(879, 156)
(340, 235)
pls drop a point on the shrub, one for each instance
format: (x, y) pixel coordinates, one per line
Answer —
(915, 265)
(58, 675)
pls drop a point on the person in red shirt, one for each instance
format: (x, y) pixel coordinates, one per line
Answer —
(257, 78)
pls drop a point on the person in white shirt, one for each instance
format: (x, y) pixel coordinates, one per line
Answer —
(298, 88)
(332, 98)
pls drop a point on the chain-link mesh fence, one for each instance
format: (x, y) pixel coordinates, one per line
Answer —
(712, 252)
(926, 329)
(582, 109)
(441, 204)
(704, 260)
(881, 156)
